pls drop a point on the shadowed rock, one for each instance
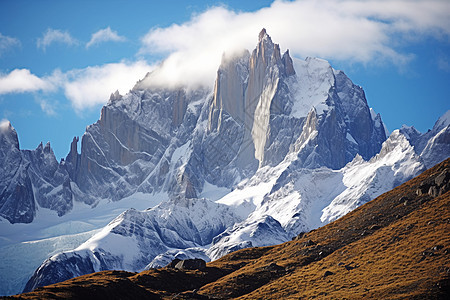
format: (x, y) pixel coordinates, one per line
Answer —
(191, 264)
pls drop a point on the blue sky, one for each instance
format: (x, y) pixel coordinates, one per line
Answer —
(60, 60)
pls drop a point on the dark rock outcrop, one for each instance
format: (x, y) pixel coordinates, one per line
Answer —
(173, 263)
(191, 264)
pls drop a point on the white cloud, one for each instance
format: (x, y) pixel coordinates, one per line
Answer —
(84, 88)
(4, 125)
(92, 86)
(347, 30)
(7, 43)
(105, 35)
(21, 81)
(55, 36)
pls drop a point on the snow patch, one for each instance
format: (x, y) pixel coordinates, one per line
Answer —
(350, 138)
(315, 78)
(213, 192)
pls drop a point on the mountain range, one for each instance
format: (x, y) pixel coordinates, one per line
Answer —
(280, 146)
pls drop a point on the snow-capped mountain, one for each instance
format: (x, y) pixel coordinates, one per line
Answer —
(278, 147)
(30, 178)
(300, 199)
(434, 145)
(175, 140)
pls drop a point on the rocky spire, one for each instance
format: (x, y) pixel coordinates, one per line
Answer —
(287, 63)
(8, 134)
(73, 158)
(114, 97)
(263, 34)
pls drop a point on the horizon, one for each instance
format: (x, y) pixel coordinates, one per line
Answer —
(56, 73)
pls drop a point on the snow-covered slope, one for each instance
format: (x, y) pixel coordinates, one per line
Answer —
(135, 238)
(300, 199)
(23, 247)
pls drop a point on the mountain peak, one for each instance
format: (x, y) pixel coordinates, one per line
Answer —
(8, 133)
(115, 96)
(263, 34)
(443, 121)
(266, 45)
(288, 64)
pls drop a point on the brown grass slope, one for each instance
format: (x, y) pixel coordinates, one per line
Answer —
(394, 247)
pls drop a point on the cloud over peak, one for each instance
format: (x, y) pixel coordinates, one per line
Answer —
(346, 30)
(92, 86)
(355, 31)
(4, 125)
(105, 35)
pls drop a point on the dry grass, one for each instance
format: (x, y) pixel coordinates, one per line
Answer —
(394, 247)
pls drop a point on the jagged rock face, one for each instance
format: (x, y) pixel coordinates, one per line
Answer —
(16, 198)
(30, 178)
(72, 161)
(9, 151)
(341, 120)
(226, 123)
(110, 147)
(268, 100)
(249, 90)
(437, 148)
(272, 91)
(17, 205)
(367, 132)
(229, 90)
(434, 145)
(131, 140)
(50, 180)
(263, 83)
(267, 87)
